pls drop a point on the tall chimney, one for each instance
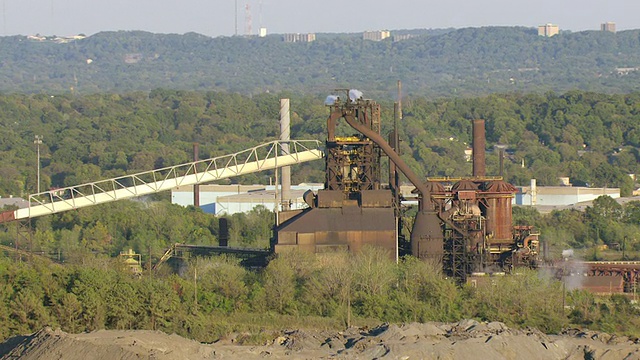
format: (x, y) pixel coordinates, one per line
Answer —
(285, 135)
(478, 148)
(399, 100)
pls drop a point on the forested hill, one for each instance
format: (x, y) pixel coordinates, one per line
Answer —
(464, 62)
(591, 138)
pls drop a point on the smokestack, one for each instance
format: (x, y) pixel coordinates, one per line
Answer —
(478, 148)
(502, 161)
(399, 100)
(285, 135)
(196, 187)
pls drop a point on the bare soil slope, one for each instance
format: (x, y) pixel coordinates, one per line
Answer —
(466, 339)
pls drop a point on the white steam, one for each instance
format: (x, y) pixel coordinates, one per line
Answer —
(330, 100)
(355, 94)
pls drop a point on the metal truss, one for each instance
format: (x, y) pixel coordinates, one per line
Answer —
(267, 156)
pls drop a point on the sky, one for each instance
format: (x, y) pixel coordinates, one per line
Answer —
(218, 17)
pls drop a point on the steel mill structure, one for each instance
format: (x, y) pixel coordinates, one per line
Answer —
(465, 224)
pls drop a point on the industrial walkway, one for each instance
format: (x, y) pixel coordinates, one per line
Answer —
(267, 156)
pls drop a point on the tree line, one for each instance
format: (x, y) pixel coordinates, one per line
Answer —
(446, 62)
(212, 298)
(591, 138)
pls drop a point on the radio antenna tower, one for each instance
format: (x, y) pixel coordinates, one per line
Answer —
(236, 16)
(4, 17)
(247, 20)
(53, 20)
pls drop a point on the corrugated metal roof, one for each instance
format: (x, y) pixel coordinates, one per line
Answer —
(220, 188)
(342, 219)
(570, 190)
(14, 201)
(259, 195)
(242, 188)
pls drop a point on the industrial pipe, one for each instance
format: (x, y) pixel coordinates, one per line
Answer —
(349, 117)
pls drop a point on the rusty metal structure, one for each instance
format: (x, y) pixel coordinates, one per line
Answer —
(464, 224)
(476, 212)
(353, 209)
(599, 277)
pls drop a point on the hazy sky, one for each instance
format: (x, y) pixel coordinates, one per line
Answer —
(217, 17)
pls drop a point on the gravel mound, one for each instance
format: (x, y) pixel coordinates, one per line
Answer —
(466, 339)
(107, 345)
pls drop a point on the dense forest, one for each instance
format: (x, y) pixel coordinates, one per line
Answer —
(591, 138)
(452, 62)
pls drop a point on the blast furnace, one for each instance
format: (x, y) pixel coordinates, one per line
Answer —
(463, 224)
(353, 209)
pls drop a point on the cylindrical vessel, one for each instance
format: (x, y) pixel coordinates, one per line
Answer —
(498, 211)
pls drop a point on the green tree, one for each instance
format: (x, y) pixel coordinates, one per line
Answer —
(603, 217)
(525, 299)
(279, 285)
(373, 276)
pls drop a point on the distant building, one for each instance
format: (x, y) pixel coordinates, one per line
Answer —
(262, 32)
(299, 37)
(36, 37)
(16, 202)
(608, 26)
(402, 37)
(468, 154)
(558, 196)
(376, 35)
(133, 58)
(626, 71)
(232, 199)
(56, 39)
(548, 30)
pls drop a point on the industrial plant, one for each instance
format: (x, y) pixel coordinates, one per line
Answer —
(462, 225)
(465, 224)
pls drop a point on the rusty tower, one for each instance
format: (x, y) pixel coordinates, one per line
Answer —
(353, 210)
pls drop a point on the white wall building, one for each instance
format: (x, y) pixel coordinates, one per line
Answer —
(548, 30)
(377, 35)
(231, 199)
(560, 195)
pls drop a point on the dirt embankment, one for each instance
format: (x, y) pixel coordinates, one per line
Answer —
(466, 339)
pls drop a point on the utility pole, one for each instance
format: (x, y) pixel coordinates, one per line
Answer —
(195, 286)
(38, 141)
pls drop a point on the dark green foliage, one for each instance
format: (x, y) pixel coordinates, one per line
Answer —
(588, 137)
(462, 62)
(527, 297)
(215, 297)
